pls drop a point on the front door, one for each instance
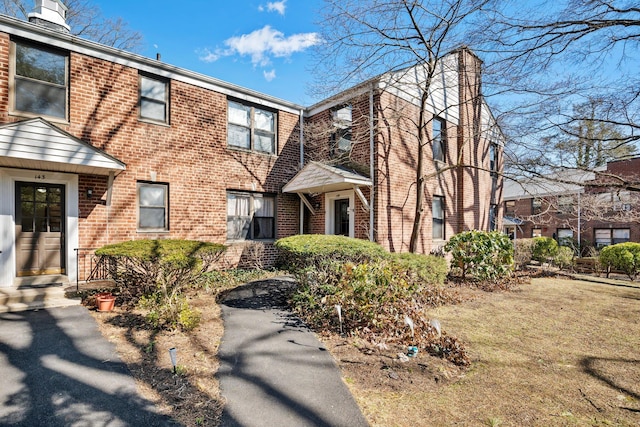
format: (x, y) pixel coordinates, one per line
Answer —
(40, 220)
(341, 217)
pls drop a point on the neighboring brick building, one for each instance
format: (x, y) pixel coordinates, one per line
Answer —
(98, 146)
(586, 209)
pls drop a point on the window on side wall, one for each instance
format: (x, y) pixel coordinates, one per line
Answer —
(154, 99)
(536, 205)
(341, 135)
(250, 216)
(438, 217)
(609, 236)
(153, 206)
(510, 208)
(565, 237)
(439, 139)
(493, 217)
(40, 80)
(251, 128)
(493, 159)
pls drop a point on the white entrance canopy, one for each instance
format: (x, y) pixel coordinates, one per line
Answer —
(37, 144)
(320, 178)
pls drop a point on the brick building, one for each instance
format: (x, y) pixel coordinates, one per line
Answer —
(585, 209)
(98, 146)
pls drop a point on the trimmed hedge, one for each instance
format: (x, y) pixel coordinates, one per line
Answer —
(427, 269)
(156, 273)
(305, 250)
(621, 256)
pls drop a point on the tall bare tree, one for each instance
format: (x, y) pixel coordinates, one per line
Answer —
(86, 20)
(366, 38)
(559, 57)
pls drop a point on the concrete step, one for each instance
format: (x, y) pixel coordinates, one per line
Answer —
(34, 298)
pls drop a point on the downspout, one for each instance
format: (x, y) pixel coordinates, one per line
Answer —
(371, 166)
(301, 225)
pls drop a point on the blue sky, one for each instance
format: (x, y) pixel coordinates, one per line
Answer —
(259, 44)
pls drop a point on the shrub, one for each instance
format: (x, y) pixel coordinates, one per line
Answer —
(621, 256)
(374, 299)
(429, 269)
(523, 252)
(298, 252)
(564, 257)
(160, 271)
(484, 255)
(544, 249)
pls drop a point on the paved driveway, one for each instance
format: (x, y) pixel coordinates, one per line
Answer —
(56, 369)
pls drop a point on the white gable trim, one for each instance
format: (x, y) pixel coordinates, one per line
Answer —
(37, 144)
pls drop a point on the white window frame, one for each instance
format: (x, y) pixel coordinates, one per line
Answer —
(440, 139)
(443, 208)
(611, 238)
(329, 199)
(164, 99)
(252, 128)
(252, 196)
(165, 206)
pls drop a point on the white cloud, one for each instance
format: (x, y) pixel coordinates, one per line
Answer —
(261, 45)
(277, 6)
(269, 75)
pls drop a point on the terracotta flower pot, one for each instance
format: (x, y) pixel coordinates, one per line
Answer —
(105, 302)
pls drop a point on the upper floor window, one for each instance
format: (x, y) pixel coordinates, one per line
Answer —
(250, 216)
(341, 135)
(536, 205)
(153, 206)
(493, 159)
(493, 217)
(565, 204)
(437, 213)
(510, 208)
(41, 80)
(439, 139)
(154, 99)
(251, 128)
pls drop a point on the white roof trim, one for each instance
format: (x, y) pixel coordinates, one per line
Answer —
(37, 144)
(320, 178)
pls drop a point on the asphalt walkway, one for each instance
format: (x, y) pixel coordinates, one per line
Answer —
(56, 369)
(273, 370)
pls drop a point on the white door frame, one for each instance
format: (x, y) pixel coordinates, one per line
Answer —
(8, 179)
(329, 221)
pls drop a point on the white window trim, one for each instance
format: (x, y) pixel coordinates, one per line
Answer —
(165, 229)
(167, 89)
(329, 223)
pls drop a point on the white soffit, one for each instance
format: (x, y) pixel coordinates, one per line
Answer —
(320, 178)
(37, 144)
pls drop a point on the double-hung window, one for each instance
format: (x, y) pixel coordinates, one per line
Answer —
(250, 216)
(609, 236)
(153, 206)
(439, 139)
(40, 80)
(493, 159)
(341, 135)
(251, 128)
(437, 213)
(154, 99)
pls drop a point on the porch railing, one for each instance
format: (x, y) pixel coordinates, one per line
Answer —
(91, 267)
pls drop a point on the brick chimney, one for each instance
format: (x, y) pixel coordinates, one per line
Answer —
(51, 14)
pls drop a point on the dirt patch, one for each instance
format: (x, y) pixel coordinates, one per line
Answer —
(554, 352)
(191, 396)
